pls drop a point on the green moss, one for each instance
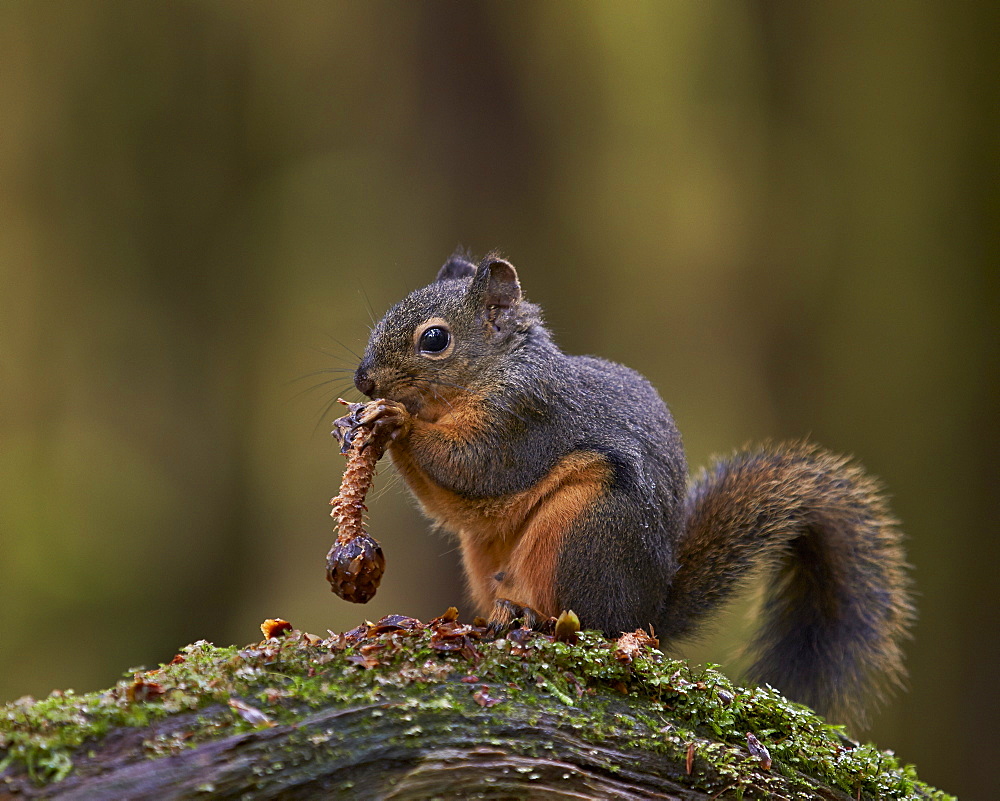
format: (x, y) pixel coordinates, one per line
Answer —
(653, 703)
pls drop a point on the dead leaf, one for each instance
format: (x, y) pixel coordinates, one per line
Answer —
(759, 751)
(275, 627)
(250, 714)
(631, 644)
(483, 698)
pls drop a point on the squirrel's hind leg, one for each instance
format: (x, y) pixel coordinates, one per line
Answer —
(615, 568)
(523, 585)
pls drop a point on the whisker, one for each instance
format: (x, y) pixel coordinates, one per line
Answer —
(313, 388)
(368, 303)
(441, 383)
(335, 356)
(355, 355)
(450, 550)
(319, 372)
(390, 484)
(440, 397)
(330, 405)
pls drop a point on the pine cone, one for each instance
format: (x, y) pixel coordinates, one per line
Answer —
(355, 564)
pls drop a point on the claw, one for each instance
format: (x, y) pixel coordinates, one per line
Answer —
(345, 428)
(507, 613)
(368, 421)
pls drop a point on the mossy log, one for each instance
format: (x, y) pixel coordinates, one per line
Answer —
(405, 710)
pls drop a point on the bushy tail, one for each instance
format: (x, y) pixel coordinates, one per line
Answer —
(837, 603)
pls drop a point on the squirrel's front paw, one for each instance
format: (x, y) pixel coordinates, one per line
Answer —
(382, 414)
(379, 420)
(507, 615)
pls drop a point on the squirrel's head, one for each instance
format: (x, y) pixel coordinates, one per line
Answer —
(443, 341)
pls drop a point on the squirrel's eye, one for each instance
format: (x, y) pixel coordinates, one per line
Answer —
(434, 340)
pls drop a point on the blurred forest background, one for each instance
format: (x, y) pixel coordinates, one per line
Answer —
(784, 214)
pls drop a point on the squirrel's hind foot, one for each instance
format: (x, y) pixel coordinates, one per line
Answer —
(508, 615)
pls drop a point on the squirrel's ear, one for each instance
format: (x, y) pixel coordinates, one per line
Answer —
(456, 267)
(496, 284)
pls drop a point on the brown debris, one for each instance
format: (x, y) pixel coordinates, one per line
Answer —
(142, 690)
(450, 616)
(275, 627)
(363, 660)
(759, 751)
(631, 644)
(249, 713)
(483, 698)
(395, 623)
(371, 640)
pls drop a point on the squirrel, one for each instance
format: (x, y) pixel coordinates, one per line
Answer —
(565, 481)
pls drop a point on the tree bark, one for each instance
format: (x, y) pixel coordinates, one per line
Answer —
(396, 755)
(422, 714)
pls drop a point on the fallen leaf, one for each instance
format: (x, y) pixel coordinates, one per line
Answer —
(250, 714)
(275, 627)
(759, 751)
(483, 698)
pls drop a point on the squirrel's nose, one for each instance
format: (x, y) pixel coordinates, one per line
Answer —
(364, 383)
